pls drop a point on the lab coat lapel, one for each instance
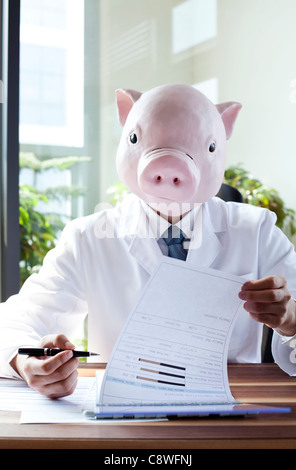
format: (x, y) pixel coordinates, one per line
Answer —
(141, 241)
(147, 253)
(205, 250)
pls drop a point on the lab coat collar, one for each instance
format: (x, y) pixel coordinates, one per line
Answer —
(203, 248)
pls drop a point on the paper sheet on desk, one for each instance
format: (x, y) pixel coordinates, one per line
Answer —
(15, 395)
(173, 347)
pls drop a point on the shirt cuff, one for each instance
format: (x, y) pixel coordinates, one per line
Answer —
(287, 340)
(6, 370)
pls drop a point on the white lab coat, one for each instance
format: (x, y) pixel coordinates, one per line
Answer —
(103, 261)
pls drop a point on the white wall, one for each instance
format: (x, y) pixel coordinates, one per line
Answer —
(252, 57)
(256, 64)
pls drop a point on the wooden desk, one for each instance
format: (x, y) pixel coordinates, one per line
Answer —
(264, 383)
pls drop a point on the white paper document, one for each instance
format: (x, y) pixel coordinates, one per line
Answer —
(173, 347)
(16, 395)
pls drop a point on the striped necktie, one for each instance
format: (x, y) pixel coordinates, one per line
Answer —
(174, 239)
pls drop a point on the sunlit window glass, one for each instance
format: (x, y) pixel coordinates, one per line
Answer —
(52, 72)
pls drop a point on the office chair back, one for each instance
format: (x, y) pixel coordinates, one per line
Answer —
(229, 193)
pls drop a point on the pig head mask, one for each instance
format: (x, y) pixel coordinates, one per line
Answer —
(173, 146)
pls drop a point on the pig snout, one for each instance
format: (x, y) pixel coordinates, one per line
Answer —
(168, 174)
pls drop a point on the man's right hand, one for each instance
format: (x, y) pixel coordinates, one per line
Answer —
(54, 377)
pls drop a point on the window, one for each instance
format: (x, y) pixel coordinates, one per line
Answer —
(52, 73)
(59, 88)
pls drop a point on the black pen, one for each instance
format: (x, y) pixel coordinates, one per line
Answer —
(37, 352)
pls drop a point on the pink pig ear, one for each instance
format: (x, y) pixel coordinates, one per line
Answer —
(229, 112)
(125, 100)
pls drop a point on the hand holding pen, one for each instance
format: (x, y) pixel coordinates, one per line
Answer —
(54, 377)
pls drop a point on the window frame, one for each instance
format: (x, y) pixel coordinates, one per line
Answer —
(9, 148)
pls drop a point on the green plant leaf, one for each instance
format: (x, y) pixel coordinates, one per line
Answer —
(24, 217)
(31, 161)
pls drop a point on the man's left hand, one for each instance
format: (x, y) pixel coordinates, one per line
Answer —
(269, 301)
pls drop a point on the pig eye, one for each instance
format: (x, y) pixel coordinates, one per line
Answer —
(212, 147)
(133, 138)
